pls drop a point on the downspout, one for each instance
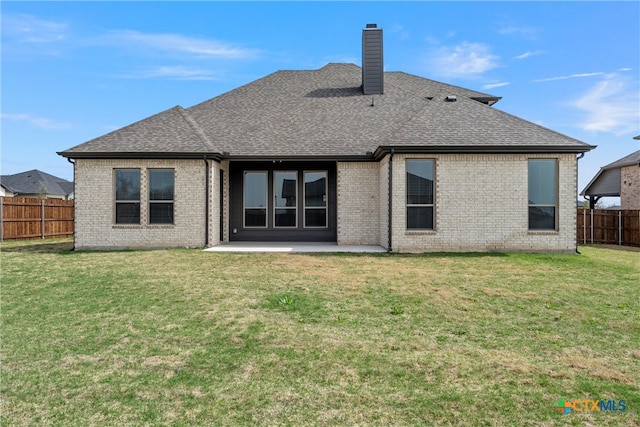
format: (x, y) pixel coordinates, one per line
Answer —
(206, 203)
(74, 202)
(390, 198)
(581, 155)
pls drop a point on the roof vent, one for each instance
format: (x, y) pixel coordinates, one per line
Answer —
(372, 66)
(451, 98)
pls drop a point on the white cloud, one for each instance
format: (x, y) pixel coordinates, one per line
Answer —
(527, 32)
(495, 85)
(177, 43)
(571, 76)
(465, 59)
(399, 31)
(611, 105)
(529, 54)
(41, 122)
(29, 29)
(177, 72)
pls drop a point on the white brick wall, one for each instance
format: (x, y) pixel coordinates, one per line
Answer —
(358, 203)
(630, 187)
(383, 238)
(215, 208)
(95, 226)
(482, 205)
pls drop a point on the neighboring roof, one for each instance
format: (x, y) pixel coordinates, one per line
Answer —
(324, 114)
(606, 182)
(35, 182)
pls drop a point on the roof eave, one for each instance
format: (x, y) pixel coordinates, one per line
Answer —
(487, 149)
(140, 155)
(301, 158)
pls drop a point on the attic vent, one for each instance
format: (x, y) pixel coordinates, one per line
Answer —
(451, 98)
(372, 67)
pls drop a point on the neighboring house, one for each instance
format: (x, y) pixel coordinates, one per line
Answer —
(618, 179)
(35, 183)
(342, 154)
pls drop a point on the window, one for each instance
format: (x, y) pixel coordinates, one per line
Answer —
(315, 199)
(420, 200)
(543, 194)
(285, 190)
(255, 199)
(127, 189)
(161, 189)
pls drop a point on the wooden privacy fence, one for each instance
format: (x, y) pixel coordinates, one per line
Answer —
(613, 227)
(31, 218)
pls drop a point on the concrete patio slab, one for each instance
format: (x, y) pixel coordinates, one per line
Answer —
(294, 247)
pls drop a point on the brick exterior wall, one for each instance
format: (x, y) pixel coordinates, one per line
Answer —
(482, 205)
(383, 238)
(215, 235)
(95, 226)
(358, 203)
(630, 187)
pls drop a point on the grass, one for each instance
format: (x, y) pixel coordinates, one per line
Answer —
(183, 337)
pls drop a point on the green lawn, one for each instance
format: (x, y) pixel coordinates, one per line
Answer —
(183, 337)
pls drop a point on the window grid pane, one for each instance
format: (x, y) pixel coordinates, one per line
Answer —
(161, 185)
(127, 213)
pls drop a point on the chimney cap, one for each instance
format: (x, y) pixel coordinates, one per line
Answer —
(372, 26)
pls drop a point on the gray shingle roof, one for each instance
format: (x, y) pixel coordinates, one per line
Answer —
(631, 159)
(170, 131)
(35, 182)
(323, 113)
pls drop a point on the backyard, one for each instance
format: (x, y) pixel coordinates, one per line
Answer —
(184, 337)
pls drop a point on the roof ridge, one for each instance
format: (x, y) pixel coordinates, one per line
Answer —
(196, 128)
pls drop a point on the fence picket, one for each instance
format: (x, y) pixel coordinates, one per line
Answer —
(29, 218)
(614, 227)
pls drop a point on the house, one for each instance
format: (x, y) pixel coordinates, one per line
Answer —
(356, 156)
(35, 183)
(618, 179)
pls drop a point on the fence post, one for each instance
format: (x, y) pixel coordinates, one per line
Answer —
(584, 226)
(42, 219)
(620, 227)
(1, 220)
(592, 226)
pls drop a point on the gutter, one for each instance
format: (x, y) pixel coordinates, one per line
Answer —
(206, 203)
(390, 203)
(74, 202)
(381, 151)
(581, 155)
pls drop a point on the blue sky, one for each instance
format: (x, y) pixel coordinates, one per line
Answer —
(72, 71)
